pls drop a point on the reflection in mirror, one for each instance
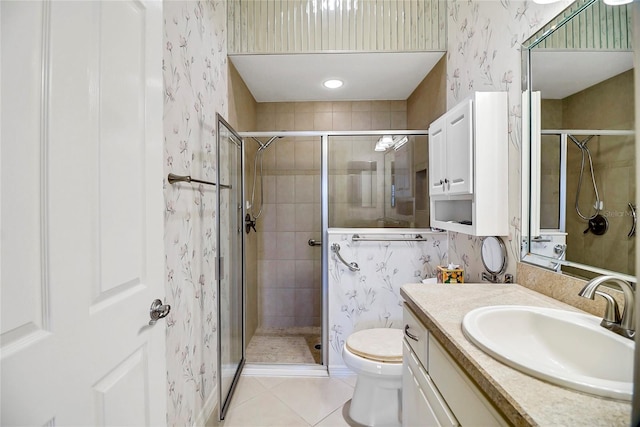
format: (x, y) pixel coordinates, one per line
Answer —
(582, 158)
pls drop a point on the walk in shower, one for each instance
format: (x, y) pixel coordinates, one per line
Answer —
(306, 182)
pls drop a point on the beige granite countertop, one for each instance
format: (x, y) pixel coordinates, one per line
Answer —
(522, 399)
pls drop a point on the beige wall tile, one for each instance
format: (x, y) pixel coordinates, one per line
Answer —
(302, 248)
(286, 217)
(323, 121)
(304, 273)
(303, 188)
(267, 245)
(285, 107)
(341, 106)
(305, 107)
(398, 105)
(398, 120)
(286, 302)
(268, 158)
(268, 273)
(285, 189)
(323, 107)
(304, 217)
(286, 245)
(303, 121)
(303, 303)
(361, 120)
(269, 301)
(342, 120)
(381, 120)
(267, 221)
(285, 121)
(380, 105)
(266, 107)
(304, 153)
(285, 155)
(266, 121)
(270, 190)
(286, 275)
(361, 106)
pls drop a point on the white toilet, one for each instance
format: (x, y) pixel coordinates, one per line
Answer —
(376, 356)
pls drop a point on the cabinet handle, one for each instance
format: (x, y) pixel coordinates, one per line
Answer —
(409, 334)
(446, 181)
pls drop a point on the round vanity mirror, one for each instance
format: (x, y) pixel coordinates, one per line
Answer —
(494, 255)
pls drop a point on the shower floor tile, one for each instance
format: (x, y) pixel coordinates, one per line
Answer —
(285, 345)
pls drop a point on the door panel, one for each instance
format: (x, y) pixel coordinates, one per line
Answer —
(231, 261)
(437, 156)
(460, 149)
(87, 140)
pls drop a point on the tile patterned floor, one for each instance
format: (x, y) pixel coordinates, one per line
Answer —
(291, 401)
(285, 345)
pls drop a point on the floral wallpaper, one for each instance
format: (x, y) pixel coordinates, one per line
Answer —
(483, 54)
(370, 298)
(195, 89)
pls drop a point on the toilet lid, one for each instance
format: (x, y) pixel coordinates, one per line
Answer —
(381, 344)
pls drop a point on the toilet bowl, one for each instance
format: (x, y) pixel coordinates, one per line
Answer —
(376, 356)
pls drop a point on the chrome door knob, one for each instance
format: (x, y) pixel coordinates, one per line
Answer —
(158, 311)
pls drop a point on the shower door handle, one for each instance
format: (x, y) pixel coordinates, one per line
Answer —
(313, 242)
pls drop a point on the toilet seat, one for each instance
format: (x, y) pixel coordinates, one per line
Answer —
(380, 344)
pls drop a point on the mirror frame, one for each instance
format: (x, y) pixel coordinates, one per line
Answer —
(528, 157)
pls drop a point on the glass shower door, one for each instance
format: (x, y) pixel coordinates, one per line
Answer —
(230, 258)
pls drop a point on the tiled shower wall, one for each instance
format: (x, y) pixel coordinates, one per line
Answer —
(602, 106)
(608, 105)
(289, 270)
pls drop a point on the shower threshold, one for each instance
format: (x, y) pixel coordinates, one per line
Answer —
(284, 370)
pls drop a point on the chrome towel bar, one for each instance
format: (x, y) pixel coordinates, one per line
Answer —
(173, 178)
(417, 238)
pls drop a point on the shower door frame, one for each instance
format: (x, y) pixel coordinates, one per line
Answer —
(324, 202)
(224, 401)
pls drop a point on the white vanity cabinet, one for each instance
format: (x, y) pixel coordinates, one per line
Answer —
(435, 391)
(468, 166)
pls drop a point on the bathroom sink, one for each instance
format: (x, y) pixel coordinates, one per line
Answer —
(562, 347)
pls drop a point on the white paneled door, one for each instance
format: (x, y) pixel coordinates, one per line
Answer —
(81, 255)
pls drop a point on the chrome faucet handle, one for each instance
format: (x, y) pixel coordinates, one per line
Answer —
(626, 326)
(612, 310)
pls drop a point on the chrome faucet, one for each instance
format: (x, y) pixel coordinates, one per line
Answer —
(624, 325)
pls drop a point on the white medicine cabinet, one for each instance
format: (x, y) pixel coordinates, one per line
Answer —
(468, 171)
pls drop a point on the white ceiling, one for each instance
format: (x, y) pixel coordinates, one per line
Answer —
(366, 76)
(558, 74)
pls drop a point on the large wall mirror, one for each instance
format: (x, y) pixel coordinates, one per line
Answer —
(578, 167)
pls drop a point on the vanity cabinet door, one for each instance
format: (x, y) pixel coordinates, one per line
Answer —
(461, 395)
(417, 409)
(459, 160)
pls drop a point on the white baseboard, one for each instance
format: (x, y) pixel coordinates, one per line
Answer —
(340, 371)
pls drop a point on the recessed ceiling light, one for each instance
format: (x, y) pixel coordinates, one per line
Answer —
(333, 83)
